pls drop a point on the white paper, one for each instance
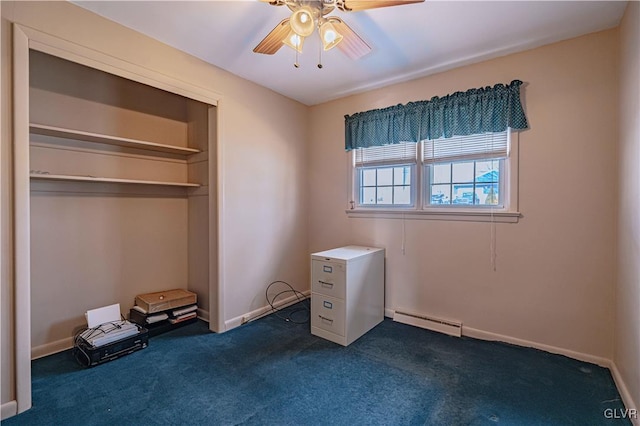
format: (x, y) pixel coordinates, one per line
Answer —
(95, 317)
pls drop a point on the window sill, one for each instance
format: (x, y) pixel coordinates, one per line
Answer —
(462, 215)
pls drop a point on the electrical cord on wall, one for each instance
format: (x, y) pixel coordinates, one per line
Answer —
(288, 314)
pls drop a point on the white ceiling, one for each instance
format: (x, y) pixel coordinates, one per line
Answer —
(408, 41)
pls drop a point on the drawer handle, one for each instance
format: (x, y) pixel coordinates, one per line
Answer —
(326, 284)
(325, 319)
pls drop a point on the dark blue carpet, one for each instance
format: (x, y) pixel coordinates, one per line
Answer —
(272, 372)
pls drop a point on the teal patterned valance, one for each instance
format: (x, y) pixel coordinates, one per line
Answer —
(488, 109)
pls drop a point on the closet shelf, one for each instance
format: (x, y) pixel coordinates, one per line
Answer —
(70, 178)
(42, 129)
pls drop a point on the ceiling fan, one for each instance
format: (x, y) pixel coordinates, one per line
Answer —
(309, 15)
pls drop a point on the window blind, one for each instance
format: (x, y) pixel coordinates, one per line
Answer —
(471, 147)
(403, 152)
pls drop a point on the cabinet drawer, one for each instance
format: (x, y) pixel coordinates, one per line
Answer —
(328, 278)
(327, 313)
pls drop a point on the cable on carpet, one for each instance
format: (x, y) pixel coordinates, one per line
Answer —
(289, 314)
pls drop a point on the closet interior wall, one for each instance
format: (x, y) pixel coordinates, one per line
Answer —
(120, 200)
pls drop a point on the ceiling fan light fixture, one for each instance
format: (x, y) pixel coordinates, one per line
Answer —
(303, 22)
(294, 41)
(308, 15)
(329, 35)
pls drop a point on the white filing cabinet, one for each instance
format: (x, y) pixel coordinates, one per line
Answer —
(347, 292)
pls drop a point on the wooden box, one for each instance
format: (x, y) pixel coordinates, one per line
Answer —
(163, 300)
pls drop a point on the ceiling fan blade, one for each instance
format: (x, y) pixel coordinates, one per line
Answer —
(273, 41)
(274, 2)
(351, 45)
(356, 5)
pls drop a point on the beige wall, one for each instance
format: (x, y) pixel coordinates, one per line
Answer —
(555, 268)
(627, 321)
(263, 158)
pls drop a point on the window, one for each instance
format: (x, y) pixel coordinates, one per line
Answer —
(465, 170)
(469, 183)
(385, 186)
(460, 175)
(386, 175)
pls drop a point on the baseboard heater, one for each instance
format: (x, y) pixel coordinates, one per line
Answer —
(452, 328)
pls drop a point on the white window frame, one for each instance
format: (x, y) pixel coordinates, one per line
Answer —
(426, 186)
(413, 167)
(374, 160)
(420, 209)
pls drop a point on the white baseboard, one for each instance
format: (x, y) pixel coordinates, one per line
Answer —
(51, 348)
(627, 399)
(9, 409)
(486, 335)
(260, 312)
(67, 343)
(203, 315)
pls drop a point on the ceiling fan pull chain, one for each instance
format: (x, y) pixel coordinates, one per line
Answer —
(320, 54)
(296, 64)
